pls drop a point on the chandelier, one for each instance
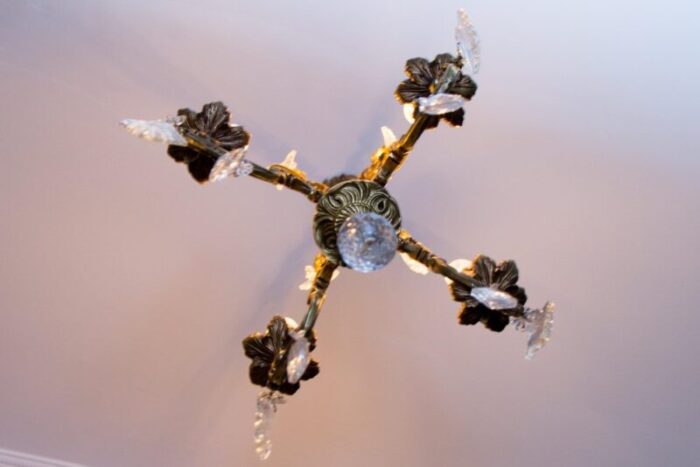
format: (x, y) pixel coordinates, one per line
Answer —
(357, 223)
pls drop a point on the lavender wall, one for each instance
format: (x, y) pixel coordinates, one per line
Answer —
(125, 288)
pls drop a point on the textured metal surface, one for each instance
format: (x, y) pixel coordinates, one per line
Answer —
(344, 200)
(317, 295)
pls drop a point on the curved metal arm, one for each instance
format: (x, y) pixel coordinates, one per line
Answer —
(317, 296)
(423, 255)
(276, 174)
(292, 179)
(387, 160)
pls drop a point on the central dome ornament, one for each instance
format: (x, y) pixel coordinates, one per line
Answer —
(357, 224)
(367, 242)
(344, 200)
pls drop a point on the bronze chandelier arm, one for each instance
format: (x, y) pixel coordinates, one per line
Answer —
(295, 180)
(317, 295)
(276, 174)
(387, 160)
(434, 263)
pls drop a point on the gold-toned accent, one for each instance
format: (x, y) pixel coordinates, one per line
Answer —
(387, 160)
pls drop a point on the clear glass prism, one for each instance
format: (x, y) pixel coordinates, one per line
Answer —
(440, 103)
(160, 131)
(228, 165)
(266, 407)
(494, 299)
(298, 358)
(539, 325)
(468, 44)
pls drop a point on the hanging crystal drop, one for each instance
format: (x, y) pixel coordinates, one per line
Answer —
(440, 103)
(266, 407)
(468, 45)
(494, 299)
(538, 325)
(367, 242)
(228, 165)
(160, 131)
(298, 357)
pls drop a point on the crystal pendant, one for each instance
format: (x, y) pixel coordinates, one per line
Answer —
(160, 131)
(298, 357)
(367, 242)
(441, 103)
(494, 299)
(538, 325)
(468, 45)
(266, 407)
(230, 164)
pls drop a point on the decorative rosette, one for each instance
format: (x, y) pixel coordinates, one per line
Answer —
(213, 122)
(280, 356)
(496, 299)
(422, 90)
(210, 145)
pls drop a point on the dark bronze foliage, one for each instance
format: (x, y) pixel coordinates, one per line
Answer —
(502, 276)
(268, 352)
(422, 79)
(213, 122)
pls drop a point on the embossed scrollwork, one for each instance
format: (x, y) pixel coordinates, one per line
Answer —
(345, 200)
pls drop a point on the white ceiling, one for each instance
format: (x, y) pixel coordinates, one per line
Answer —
(125, 288)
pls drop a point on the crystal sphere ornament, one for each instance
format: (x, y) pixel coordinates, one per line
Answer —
(367, 242)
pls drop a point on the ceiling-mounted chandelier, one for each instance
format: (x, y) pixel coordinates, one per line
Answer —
(357, 223)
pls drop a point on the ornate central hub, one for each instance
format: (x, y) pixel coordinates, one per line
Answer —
(345, 200)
